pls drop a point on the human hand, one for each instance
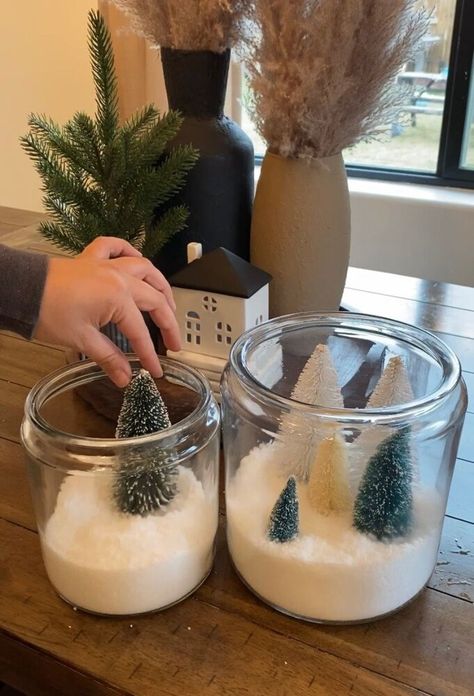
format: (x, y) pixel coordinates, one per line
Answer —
(109, 282)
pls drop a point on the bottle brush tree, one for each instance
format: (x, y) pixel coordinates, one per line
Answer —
(328, 487)
(316, 385)
(101, 177)
(284, 518)
(384, 503)
(146, 480)
(393, 388)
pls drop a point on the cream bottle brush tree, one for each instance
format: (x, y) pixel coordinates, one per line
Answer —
(322, 74)
(328, 487)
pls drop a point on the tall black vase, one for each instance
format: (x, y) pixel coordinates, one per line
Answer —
(220, 189)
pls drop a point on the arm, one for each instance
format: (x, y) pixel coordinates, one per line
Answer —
(74, 297)
(22, 280)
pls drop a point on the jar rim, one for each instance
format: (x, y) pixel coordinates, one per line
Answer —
(45, 389)
(391, 328)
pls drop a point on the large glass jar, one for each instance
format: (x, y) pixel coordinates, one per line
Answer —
(97, 557)
(340, 434)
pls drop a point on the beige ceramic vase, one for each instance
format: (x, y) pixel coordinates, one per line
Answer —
(301, 232)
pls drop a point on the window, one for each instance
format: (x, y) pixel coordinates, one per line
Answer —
(193, 328)
(223, 333)
(467, 147)
(432, 140)
(209, 303)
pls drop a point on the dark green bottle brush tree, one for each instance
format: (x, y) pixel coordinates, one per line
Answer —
(284, 518)
(384, 504)
(145, 481)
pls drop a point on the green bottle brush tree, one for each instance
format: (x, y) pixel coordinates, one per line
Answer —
(384, 503)
(101, 177)
(146, 481)
(284, 518)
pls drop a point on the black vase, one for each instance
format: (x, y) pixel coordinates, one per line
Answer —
(220, 189)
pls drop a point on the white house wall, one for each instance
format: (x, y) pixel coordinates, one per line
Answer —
(256, 308)
(208, 333)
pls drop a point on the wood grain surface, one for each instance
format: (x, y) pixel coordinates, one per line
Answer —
(223, 641)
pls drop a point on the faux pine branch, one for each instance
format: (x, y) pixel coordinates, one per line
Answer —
(103, 178)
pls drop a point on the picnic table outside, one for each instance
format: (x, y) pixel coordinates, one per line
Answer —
(427, 93)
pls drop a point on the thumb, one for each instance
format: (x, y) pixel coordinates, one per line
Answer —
(106, 354)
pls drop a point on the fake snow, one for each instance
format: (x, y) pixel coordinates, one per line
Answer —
(330, 572)
(108, 562)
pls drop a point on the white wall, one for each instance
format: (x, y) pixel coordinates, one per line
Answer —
(44, 67)
(423, 231)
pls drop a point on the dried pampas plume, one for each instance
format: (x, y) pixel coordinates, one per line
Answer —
(194, 25)
(323, 72)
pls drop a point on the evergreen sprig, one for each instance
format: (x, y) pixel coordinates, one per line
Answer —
(101, 178)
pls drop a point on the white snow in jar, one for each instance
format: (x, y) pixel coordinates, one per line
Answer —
(108, 562)
(330, 572)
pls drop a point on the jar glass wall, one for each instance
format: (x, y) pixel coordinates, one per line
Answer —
(337, 475)
(97, 557)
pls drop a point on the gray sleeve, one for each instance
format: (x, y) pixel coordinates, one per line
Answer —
(22, 279)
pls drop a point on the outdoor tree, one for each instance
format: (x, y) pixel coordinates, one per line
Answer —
(146, 479)
(284, 518)
(328, 488)
(384, 503)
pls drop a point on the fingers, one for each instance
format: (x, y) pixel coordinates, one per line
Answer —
(132, 325)
(146, 271)
(114, 363)
(109, 248)
(150, 300)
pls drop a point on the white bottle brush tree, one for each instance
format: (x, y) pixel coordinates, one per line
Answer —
(316, 385)
(392, 389)
(146, 480)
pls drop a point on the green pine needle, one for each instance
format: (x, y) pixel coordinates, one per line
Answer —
(101, 178)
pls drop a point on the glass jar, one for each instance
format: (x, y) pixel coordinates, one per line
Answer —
(340, 435)
(98, 558)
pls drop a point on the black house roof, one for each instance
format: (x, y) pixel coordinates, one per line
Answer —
(223, 272)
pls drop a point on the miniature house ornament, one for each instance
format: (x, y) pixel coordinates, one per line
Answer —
(218, 296)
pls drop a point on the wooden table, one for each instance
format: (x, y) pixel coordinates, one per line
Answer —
(223, 641)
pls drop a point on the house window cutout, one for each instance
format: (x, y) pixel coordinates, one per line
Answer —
(193, 328)
(209, 303)
(259, 320)
(224, 333)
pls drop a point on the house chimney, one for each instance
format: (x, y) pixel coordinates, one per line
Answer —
(194, 251)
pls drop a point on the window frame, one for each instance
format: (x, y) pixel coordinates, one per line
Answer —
(460, 73)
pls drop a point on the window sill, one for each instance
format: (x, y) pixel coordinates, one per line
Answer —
(422, 193)
(412, 229)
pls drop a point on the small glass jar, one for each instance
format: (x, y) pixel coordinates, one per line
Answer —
(98, 558)
(335, 507)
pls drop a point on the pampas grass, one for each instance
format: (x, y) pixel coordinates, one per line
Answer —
(323, 72)
(195, 25)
